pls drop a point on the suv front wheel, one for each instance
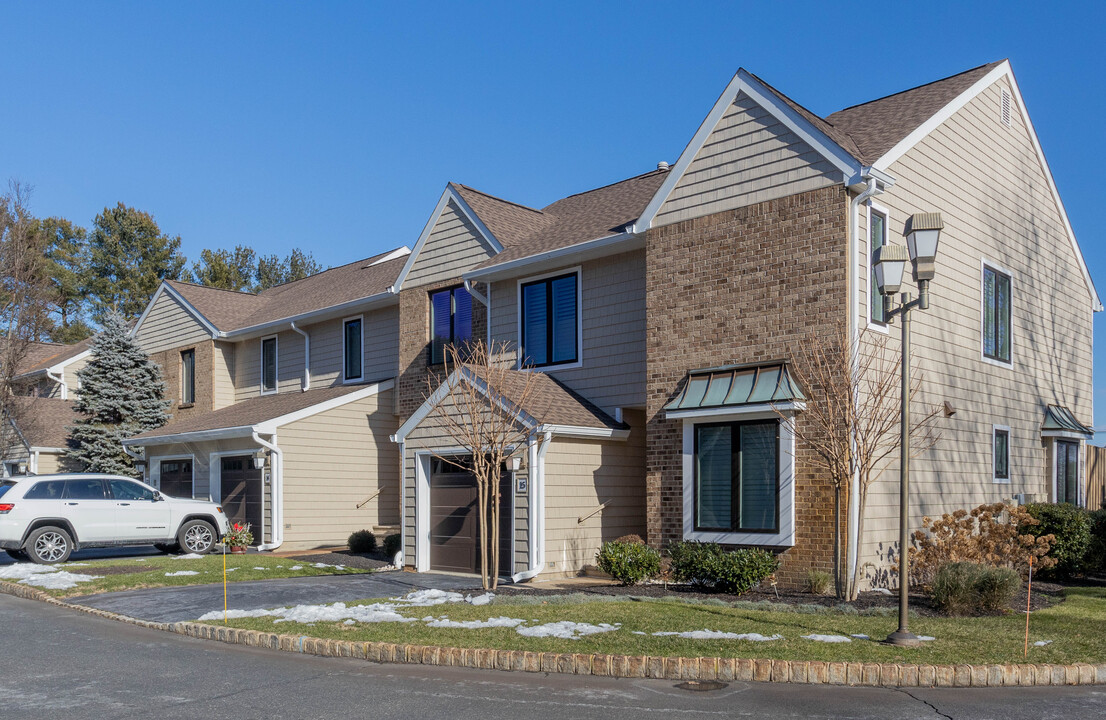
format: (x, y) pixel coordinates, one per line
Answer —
(197, 536)
(49, 545)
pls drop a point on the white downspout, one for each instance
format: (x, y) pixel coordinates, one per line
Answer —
(853, 297)
(398, 559)
(536, 536)
(277, 473)
(58, 379)
(306, 358)
(482, 299)
(34, 463)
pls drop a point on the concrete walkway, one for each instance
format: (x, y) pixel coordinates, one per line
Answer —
(177, 604)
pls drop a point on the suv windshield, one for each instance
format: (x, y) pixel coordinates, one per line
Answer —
(4, 485)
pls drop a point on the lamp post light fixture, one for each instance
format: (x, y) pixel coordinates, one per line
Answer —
(923, 232)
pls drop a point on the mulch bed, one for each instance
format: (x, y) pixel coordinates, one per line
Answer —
(1044, 595)
(370, 561)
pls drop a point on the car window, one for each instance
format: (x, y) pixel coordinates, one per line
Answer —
(127, 490)
(47, 490)
(84, 490)
(4, 485)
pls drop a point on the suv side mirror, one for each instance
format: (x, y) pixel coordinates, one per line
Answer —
(158, 497)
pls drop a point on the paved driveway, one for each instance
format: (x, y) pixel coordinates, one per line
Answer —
(176, 604)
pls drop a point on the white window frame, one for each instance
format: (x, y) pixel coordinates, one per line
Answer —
(578, 271)
(276, 364)
(785, 537)
(995, 429)
(154, 465)
(361, 377)
(881, 210)
(984, 265)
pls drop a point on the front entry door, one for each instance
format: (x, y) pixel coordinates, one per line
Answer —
(1067, 472)
(454, 520)
(241, 496)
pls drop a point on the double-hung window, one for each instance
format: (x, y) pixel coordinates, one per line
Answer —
(551, 321)
(996, 315)
(737, 476)
(269, 365)
(187, 377)
(877, 238)
(450, 321)
(1001, 454)
(352, 349)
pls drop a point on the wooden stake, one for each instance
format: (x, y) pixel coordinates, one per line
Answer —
(1028, 597)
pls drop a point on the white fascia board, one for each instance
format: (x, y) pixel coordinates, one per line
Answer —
(269, 427)
(62, 365)
(922, 131)
(188, 307)
(587, 250)
(740, 411)
(39, 448)
(397, 253)
(197, 436)
(367, 303)
(744, 82)
(587, 433)
(448, 194)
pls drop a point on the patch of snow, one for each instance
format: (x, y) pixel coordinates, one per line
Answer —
(320, 565)
(21, 571)
(189, 556)
(69, 565)
(827, 638)
(296, 567)
(350, 622)
(637, 632)
(141, 560)
(376, 613)
(719, 635)
(480, 599)
(881, 591)
(1042, 643)
(231, 569)
(181, 573)
(427, 598)
(255, 567)
(504, 622)
(44, 576)
(926, 638)
(565, 629)
(860, 636)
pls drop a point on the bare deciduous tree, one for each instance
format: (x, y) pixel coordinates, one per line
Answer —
(478, 403)
(852, 422)
(24, 293)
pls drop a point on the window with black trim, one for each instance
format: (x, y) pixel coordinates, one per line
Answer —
(996, 315)
(877, 238)
(269, 365)
(1002, 454)
(450, 321)
(187, 377)
(352, 350)
(737, 469)
(550, 321)
(1067, 472)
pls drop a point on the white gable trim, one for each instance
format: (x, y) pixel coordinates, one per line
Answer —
(744, 82)
(1001, 70)
(470, 215)
(165, 288)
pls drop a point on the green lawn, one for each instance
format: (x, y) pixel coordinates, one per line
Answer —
(150, 572)
(1077, 628)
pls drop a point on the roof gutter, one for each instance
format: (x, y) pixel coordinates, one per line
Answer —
(277, 489)
(306, 385)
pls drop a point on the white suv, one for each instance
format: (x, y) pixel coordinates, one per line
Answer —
(47, 517)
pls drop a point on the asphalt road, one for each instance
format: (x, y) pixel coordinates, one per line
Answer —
(59, 663)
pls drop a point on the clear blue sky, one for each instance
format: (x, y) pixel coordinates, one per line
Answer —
(335, 126)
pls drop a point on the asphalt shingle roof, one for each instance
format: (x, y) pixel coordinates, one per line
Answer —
(550, 401)
(44, 422)
(42, 355)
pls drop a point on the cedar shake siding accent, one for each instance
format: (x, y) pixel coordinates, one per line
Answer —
(169, 325)
(742, 286)
(987, 182)
(612, 374)
(454, 245)
(749, 157)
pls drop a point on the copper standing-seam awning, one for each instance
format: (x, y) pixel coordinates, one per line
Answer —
(734, 386)
(1059, 419)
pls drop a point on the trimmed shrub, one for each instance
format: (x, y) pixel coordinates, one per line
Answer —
(629, 562)
(633, 538)
(962, 587)
(1071, 527)
(819, 582)
(708, 565)
(362, 541)
(392, 545)
(1096, 554)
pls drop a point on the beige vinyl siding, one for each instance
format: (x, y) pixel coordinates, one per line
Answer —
(453, 246)
(612, 374)
(222, 375)
(332, 462)
(380, 330)
(168, 325)
(581, 475)
(987, 182)
(748, 158)
(49, 463)
(247, 365)
(69, 375)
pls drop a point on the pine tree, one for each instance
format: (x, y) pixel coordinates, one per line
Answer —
(121, 394)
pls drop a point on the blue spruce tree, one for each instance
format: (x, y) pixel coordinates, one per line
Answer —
(121, 394)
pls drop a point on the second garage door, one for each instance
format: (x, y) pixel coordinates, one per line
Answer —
(454, 520)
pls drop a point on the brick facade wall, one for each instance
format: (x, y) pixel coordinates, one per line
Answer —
(170, 363)
(742, 286)
(414, 340)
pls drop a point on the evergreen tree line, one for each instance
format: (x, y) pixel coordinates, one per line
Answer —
(118, 264)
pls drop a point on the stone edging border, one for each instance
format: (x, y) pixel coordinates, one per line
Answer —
(624, 666)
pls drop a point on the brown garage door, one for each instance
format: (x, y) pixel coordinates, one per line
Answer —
(176, 478)
(241, 492)
(454, 517)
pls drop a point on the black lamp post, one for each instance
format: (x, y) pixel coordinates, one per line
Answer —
(923, 232)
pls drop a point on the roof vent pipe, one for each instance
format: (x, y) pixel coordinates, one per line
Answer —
(662, 165)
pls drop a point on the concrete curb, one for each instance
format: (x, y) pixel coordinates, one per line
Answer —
(623, 666)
